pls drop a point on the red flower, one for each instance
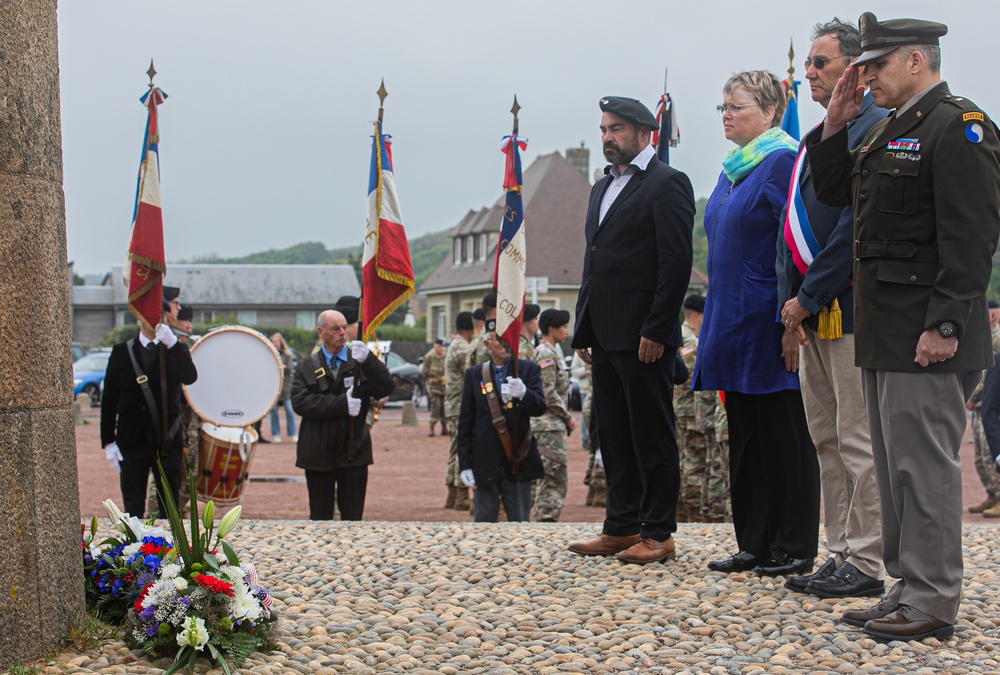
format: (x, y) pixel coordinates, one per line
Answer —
(150, 548)
(142, 596)
(213, 584)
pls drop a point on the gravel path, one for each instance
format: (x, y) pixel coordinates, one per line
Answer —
(509, 598)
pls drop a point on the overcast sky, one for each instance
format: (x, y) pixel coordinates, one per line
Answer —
(265, 137)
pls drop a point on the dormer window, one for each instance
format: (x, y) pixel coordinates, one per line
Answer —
(483, 247)
(457, 254)
(470, 249)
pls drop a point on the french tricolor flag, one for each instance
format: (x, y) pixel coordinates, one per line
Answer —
(512, 257)
(386, 271)
(145, 262)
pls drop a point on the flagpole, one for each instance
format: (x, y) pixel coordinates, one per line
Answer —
(514, 110)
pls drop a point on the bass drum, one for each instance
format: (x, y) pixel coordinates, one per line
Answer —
(239, 377)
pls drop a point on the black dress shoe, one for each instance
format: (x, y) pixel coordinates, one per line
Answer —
(846, 582)
(780, 563)
(799, 583)
(859, 617)
(736, 563)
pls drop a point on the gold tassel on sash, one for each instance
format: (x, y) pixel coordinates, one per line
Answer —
(831, 322)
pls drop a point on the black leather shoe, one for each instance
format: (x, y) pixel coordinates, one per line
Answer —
(846, 582)
(859, 617)
(780, 563)
(736, 563)
(799, 583)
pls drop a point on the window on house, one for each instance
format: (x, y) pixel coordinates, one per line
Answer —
(208, 315)
(246, 317)
(127, 318)
(484, 239)
(457, 257)
(305, 319)
(470, 248)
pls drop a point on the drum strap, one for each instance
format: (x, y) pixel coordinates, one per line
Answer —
(500, 423)
(143, 382)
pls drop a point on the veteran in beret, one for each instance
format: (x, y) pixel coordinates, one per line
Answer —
(925, 188)
(636, 268)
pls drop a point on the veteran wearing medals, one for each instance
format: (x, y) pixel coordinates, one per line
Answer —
(925, 189)
(497, 453)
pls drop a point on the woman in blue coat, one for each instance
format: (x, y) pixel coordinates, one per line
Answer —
(774, 474)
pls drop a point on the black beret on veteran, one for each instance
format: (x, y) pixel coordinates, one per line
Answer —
(881, 38)
(629, 109)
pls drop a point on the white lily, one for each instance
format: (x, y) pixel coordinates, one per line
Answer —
(229, 521)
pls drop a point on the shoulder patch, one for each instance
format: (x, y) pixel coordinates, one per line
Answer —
(970, 116)
(974, 132)
(545, 363)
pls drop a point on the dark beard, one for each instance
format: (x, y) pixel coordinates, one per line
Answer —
(619, 155)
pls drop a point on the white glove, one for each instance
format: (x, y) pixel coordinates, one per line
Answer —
(468, 478)
(353, 404)
(598, 460)
(359, 351)
(113, 455)
(165, 335)
(516, 388)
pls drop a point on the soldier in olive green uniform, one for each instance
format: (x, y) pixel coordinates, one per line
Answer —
(455, 363)
(433, 372)
(478, 353)
(552, 428)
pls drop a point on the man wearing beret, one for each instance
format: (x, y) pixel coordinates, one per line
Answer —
(552, 428)
(925, 188)
(636, 268)
(817, 309)
(131, 405)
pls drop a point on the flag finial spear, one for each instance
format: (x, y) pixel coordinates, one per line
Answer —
(791, 57)
(515, 109)
(382, 93)
(151, 72)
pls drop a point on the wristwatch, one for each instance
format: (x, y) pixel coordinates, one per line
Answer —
(947, 329)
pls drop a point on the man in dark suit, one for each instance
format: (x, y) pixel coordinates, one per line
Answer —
(500, 461)
(131, 418)
(925, 190)
(330, 403)
(810, 301)
(636, 270)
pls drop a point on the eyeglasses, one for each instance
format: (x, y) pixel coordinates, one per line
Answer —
(733, 108)
(821, 61)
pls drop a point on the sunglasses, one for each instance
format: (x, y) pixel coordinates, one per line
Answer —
(821, 61)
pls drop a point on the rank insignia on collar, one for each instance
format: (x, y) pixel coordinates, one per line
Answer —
(908, 144)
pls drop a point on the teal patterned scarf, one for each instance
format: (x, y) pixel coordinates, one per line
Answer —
(738, 162)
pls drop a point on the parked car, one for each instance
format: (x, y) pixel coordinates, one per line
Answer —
(78, 351)
(88, 375)
(409, 382)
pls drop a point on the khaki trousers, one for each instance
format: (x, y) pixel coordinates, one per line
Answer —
(835, 412)
(917, 422)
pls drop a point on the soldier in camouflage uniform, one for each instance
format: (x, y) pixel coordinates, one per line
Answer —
(719, 503)
(695, 421)
(433, 371)
(455, 364)
(985, 466)
(552, 428)
(529, 327)
(478, 353)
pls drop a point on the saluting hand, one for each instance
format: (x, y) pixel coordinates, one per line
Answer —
(845, 102)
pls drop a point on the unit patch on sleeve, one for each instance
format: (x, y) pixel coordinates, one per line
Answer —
(974, 132)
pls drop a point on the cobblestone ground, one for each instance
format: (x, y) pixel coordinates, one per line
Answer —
(509, 598)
